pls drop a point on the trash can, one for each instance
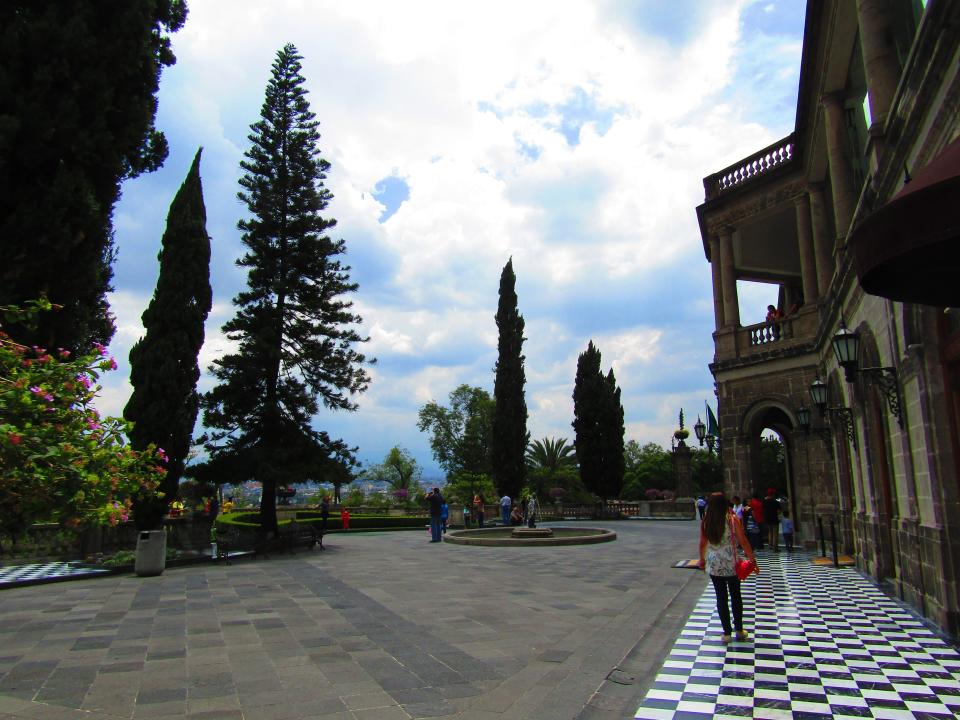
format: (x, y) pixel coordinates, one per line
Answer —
(151, 552)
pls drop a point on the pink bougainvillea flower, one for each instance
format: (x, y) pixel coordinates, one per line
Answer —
(100, 348)
(113, 364)
(84, 380)
(36, 390)
(15, 439)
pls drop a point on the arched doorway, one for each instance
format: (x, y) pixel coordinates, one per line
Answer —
(769, 428)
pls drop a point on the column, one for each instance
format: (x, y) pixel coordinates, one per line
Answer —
(731, 308)
(808, 263)
(841, 170)
(717, 280)
(879, 56)
(822, 245)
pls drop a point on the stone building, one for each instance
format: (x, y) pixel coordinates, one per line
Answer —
(855, 216)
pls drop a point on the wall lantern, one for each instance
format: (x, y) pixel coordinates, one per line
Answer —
(803, 420)
(803, 417)
(818, 394)
(846, 346)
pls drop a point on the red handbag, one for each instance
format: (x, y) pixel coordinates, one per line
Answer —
(744, 568)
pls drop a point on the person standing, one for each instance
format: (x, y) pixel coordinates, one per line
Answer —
(435, 501)
(756, 507)
(533, 511)
(720, 535)
(505, 505)
(478, 502)
(444, 516)
(771, 518)
(324, 514)
(738, 507)
(786, 525)
(345, 519)
(701, 506)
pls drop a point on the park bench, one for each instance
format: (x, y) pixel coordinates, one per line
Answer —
(290, 537)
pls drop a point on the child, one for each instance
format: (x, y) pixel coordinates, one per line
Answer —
(345, 519)
(444, 516)
(786, 526)
(752, 528)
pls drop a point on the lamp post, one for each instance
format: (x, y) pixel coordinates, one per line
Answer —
(700, 430)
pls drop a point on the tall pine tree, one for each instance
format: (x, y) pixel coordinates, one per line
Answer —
(510, 434)
(588, 401)
(612, 432)
(78, 85)
(295, 332)
(163, 363)
(598, 426)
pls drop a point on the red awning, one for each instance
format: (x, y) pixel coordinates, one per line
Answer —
(909, 250)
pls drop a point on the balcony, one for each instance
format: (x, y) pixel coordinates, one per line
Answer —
(762, 163)
(749, 344)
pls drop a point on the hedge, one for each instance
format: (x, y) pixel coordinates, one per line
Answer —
(247, 519)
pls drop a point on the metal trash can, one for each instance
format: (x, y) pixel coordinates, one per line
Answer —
(151, 553)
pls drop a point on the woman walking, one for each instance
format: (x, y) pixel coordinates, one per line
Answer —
(720, 534)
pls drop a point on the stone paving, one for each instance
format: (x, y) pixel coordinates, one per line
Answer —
(379, 626)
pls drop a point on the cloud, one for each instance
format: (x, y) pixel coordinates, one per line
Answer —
(571, 136)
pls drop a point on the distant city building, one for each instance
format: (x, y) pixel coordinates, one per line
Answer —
(854, 216)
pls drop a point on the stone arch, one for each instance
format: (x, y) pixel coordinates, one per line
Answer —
(777, 414)
(884, 513)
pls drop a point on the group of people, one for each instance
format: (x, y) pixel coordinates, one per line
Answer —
(511, 513)
(726, 529)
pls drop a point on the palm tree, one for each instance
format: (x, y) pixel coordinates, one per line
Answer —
(550, 455)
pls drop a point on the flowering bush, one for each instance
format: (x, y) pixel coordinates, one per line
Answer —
(653, 494)
(59, 459)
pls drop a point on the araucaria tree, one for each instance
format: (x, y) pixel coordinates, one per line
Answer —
(510, 434)
(77, 106)
(163, 364)
(295, 332)
(598, 425)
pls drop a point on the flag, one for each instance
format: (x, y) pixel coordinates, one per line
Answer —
(713, 428)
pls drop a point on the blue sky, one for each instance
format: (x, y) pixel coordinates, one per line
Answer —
(572, 136)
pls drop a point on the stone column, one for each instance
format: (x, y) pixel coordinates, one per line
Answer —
(731, 308)
(682, 466)
(841, 169)
(717, 280)
(879, 56)
(822, 245)
(808, 263)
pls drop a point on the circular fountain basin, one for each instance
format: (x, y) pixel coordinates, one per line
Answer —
(506, 537)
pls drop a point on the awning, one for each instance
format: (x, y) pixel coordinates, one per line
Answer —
(909, 250)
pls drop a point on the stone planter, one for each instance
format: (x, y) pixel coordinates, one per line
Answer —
(151, 557)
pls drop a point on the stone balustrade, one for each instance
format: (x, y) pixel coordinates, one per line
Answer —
(774, 156)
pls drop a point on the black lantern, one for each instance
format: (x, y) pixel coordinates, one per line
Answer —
(711, 442)
(818, 395)
(846, 346)
(803, 418)
(700, 430)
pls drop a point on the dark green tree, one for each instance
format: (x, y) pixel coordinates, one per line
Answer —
(163, 363)
(588, 405)
(598, 426)
(510, 436)
(399, 470)
(295, 332)
(611, 436)
(460, 435)
(78, 84)
(647, 467)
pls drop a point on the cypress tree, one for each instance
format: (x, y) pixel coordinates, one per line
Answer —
(510, 436)
(612, 432)
(163, 363)
(588, 409)
(294, 331)
(78, 84)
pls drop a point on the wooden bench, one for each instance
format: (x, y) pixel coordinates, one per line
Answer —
(290, 537)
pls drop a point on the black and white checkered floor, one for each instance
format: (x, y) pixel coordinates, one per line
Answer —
(19, 574)
(824, 643)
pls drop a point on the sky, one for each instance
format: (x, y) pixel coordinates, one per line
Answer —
(570, 135)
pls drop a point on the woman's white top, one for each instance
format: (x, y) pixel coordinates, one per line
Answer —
(720, 556)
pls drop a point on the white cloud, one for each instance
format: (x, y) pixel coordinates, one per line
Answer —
(470, 106)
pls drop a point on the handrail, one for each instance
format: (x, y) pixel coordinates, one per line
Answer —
(773, 156)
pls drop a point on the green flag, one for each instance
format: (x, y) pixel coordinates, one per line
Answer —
(713, 428)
